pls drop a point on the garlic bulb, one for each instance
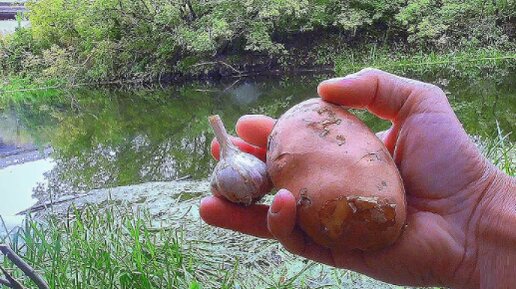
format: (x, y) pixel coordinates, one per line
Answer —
(239, 177)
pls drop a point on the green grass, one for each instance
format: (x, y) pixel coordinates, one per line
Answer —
(462, 63)
(110, 248)
(500, 150)
(115, 247)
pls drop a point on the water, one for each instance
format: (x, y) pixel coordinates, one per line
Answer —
(109, 138)
(16, 185)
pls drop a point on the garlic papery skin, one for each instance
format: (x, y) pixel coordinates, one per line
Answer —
(239, 177)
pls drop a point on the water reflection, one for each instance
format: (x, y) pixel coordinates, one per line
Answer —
(110, 138)
(246, 93)
(16, 186)
(12, 135)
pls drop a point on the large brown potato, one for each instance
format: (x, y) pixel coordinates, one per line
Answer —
(350, 194)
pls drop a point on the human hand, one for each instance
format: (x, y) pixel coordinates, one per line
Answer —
(446, 180)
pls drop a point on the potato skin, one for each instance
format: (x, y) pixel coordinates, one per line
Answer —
(348, 190)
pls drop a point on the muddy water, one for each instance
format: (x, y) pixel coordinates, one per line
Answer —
(109, 138)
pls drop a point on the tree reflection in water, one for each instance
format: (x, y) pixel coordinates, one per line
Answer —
(107, 138)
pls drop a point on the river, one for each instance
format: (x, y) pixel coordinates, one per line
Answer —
(106, 138)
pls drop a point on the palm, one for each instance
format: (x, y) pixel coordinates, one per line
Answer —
(435, 158)
(437, 214)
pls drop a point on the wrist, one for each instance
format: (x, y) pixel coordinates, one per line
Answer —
(496, 233)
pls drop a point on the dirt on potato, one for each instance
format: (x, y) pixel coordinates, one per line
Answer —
(349, 191)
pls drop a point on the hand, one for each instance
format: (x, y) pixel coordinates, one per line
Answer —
(445, 177)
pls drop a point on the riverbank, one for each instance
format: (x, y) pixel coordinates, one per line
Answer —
(17, 155)
(150, 236)
(129, 42)
(470, 63)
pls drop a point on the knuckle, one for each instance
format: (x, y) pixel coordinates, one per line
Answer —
(370, 70)
(433, 89)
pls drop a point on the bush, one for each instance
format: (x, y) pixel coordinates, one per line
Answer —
(103, 40)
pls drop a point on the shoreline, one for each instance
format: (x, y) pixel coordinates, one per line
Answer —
(22, 154)
(223, 69)
(167, 81)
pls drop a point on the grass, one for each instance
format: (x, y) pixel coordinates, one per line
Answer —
(111, 249)
(114, 246)
(500, 150)
(99, 247)
(462, 63)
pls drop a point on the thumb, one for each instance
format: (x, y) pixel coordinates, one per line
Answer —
(281, 218)
(386, 95)
(281, 221)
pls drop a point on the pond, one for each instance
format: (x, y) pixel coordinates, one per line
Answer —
(110, 138)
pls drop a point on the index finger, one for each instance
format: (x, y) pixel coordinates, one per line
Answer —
(255, 129)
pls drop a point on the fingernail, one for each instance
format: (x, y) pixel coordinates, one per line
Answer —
(333, 80)
(340, 80)
(250, 117)
(277, 204)
(208, 199)
(334, 85)
(245, 116)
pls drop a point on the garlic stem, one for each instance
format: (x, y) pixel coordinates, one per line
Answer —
(226, 146)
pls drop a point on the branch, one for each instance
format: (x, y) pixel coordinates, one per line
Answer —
(12, 282)
(218, 62)
(46, 205)
(26, 268)
(6, 283)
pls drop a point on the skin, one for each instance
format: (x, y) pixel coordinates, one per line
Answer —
(460, 208)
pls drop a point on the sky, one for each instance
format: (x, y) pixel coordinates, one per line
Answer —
(8, 26)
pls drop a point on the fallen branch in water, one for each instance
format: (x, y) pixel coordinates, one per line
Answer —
(26, 268)
(219, 62)
(46, 205)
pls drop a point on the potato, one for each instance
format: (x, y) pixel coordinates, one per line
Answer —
(348, 190)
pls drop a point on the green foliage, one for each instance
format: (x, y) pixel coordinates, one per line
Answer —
(103, 248)
(105, 40)
(467, 63)
(456, 22)
(15, 50)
